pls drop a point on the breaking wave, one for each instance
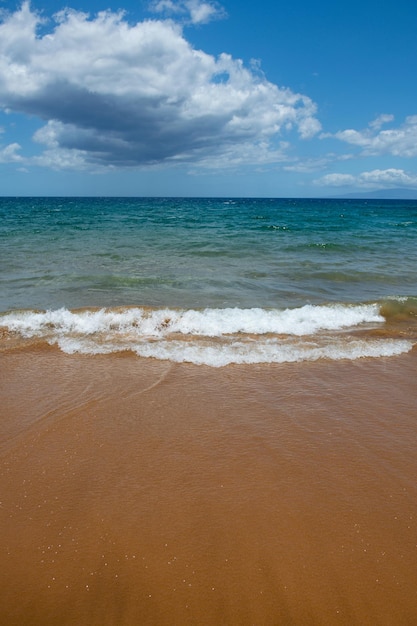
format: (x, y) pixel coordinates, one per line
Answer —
(213, 336)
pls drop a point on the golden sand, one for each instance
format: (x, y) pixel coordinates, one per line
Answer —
(136, 492)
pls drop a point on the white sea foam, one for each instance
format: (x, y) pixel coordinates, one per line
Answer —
(263, 351)
(306, 320)
(239, 353)
(214, 337)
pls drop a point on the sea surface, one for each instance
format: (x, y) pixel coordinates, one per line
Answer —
(211, 281)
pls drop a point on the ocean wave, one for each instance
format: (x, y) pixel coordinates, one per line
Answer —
(214, 337)
(241, 352)
(305, 320)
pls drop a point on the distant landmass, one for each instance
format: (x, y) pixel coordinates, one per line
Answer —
(382, 194)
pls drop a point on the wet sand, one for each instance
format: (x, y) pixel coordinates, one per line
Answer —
(139, 492)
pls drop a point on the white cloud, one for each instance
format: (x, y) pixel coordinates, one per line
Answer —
(375, 179)
(202, 12)
(195, 11)
(390, 177)
(9, 154)
(115, 94)
(382, 119)
(400, 142)
(335, 180)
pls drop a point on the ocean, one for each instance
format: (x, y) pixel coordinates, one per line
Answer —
(208, 412)
(211, 281)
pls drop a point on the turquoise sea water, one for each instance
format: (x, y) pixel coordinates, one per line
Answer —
(311, 260)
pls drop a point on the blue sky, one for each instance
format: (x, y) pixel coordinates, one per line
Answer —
(202, 98)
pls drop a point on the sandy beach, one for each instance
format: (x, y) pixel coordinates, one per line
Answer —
(208, 313)
(142, 492)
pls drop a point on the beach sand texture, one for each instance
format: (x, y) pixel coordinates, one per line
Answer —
(136, 491)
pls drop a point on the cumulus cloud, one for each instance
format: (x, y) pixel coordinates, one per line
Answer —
(400, 142)
(119, 95)
(375, 179)
(390, 177)
(335, 180)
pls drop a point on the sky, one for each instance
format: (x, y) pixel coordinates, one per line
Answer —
(206, 98)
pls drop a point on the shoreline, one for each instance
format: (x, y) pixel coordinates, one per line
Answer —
(140, 491)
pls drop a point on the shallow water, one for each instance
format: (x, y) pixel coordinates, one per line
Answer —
(197, 253)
